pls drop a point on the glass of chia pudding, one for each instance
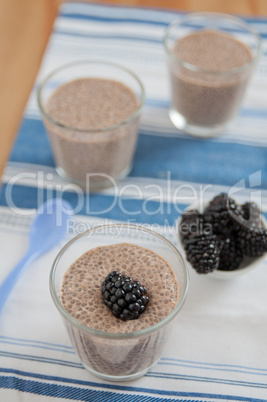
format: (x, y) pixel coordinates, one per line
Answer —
(118, 288)
(211, 58)
(91, 111)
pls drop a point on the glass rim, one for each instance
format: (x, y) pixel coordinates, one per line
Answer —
(81, 62)
(117, 335)
(212, 15)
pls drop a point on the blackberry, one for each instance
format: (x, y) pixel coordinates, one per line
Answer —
(222, 213)
(126, 298)
(223, 235)
(231, 255)
(251, 213)
(252, 242)
(192, 224)
(203, 252)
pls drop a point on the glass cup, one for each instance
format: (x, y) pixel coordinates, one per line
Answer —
(118, 356)
(206, 93)
(93, 158)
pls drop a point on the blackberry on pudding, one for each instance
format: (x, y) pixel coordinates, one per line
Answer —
(127, 299)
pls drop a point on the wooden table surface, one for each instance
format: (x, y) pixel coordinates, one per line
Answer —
(25, 26)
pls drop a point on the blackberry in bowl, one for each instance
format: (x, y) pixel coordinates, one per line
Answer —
(221, 237)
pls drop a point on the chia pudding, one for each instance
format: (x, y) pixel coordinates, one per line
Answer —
(207, 99)
(209, 70)
(81, 296)
(92, 123)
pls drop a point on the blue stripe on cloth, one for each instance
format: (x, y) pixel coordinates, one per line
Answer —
(40, 347)
(110, 37)
(73, 393)
(35, 342)
(220, 365)
(56, 390)
(161, 15)
(121, 37)
(32, 144)
(214, 368)
(172, 376)
(101, 206)
(116, 12)
(163, 360)
(187, 159)
(198, 161)
(42, 359)
(245, 112)
(114, 20)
